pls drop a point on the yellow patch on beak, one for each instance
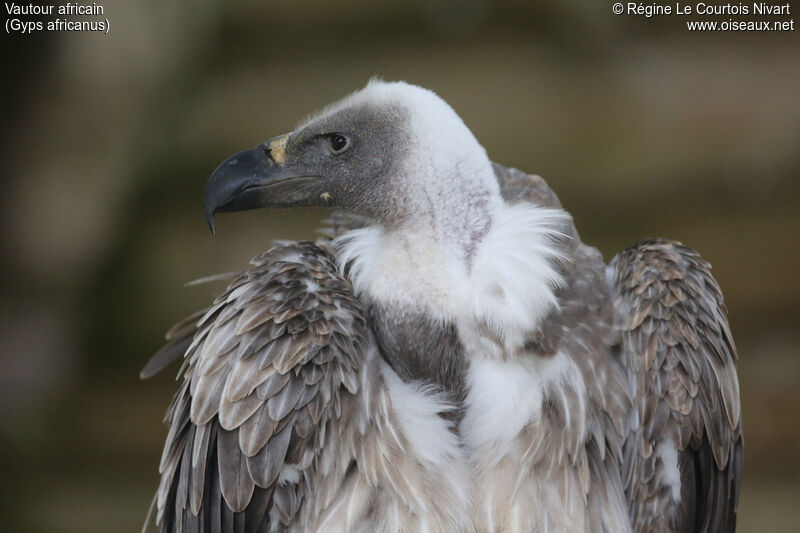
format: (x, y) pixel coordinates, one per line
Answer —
(277, 149)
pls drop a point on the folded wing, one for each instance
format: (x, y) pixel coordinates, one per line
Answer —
(265, 370)
(683, 459)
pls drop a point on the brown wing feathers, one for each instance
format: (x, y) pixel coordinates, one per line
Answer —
(679, 346)
(266, 366)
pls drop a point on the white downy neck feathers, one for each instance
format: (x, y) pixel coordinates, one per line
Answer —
(508, 289)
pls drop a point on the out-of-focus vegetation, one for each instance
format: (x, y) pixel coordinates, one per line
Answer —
(641, 127)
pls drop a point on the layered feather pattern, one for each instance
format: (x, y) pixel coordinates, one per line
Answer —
(266, 372)
(684, 457)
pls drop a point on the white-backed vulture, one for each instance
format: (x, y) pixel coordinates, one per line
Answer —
(451, 359)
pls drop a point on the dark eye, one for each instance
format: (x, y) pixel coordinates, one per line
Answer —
(339, 143)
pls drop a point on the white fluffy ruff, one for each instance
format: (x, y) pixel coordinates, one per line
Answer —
(514, 276)
(509, 289)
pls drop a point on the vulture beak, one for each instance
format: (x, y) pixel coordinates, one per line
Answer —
(255, 178)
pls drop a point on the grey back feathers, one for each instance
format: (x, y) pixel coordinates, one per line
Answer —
(286, 421)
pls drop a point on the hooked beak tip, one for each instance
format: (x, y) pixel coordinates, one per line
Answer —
(210, 222)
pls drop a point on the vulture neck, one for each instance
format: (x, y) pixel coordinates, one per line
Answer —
(449, 225)
(422, 259)
(487, 267)
(447, 201)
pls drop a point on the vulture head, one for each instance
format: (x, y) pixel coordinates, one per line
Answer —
(393, 152)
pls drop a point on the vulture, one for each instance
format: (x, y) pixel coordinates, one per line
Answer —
(448, 357)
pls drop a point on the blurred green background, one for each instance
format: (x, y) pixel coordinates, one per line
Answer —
(641, 127)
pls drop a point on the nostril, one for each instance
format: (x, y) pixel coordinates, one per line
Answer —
(268, 153)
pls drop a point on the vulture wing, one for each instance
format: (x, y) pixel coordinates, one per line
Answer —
(266, 369)
(683, 459)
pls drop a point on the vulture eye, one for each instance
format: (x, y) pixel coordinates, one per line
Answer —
(339, 143)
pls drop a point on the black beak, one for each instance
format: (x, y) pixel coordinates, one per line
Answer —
(237, 184)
